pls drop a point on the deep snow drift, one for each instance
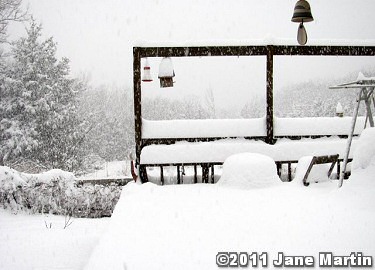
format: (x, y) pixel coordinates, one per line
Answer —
(184, 227)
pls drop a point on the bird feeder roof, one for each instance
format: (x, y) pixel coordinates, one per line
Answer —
(166, 68)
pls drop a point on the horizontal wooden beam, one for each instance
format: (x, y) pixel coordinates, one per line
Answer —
(255, 50)
(146, 142)
(201, 51)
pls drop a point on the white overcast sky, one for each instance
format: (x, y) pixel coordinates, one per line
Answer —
(97, 36)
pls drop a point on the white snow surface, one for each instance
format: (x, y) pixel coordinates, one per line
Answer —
(218, 151)
(364, 155)
(203, 128)
(27, 243)
(249, 170)
(184, 227)
(255, 127)
(317, 126)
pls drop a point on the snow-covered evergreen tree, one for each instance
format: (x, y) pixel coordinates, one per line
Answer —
(39, 104)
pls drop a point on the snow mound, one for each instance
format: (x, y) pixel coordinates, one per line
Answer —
(249, 170)
(54, 174)
(318, 173)
(364, 155)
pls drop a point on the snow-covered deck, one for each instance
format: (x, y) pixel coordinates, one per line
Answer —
(218, 151)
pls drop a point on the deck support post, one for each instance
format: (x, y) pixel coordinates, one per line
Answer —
(178, 175)
(138, 109)
(195, 174)
(212, 174)
(205, 172)
(161, 175)
(269, 96)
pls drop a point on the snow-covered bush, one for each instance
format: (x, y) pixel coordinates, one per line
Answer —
(11, 188)
(249, 170)
(55, 192)
(364, 154)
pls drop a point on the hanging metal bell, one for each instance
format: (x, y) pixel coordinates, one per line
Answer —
(302, 12)
(166, 72)
(146, 73)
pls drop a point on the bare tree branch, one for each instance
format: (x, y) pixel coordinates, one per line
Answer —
(10, 11)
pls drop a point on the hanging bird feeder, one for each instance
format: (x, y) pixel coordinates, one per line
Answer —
(302, 13)
(166, 72)
(146, 72)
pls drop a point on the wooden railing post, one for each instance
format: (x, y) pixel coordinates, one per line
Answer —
(269, 96)
(137, 108)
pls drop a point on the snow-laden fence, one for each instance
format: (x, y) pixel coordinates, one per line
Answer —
(55, 192)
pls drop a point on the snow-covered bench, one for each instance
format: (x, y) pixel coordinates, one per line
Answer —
(207, 143)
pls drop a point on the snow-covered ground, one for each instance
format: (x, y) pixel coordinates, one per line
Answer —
(40, 242)
(184, 227)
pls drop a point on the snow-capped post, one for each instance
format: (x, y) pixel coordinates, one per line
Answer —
(166, 72)
(339, 110)
(302, 13)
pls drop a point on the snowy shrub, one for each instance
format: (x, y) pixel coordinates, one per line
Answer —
(11, 188)
(249, 170)
(56, 192)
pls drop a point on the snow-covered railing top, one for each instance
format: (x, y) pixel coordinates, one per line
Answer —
(256, 127)
(364, 48)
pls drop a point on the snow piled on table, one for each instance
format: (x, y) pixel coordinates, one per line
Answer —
(184, 227)
(249, 170)
(318, 173)
(365, 154)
